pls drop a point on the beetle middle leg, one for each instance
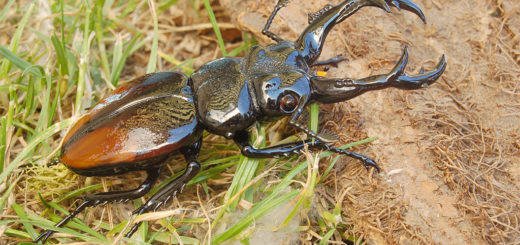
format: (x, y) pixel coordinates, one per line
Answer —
(106, 197)
(242, 140)
(170, 190)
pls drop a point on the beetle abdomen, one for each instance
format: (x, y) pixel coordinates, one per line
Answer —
(134, 126)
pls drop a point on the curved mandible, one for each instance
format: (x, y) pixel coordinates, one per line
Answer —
(334, 90)
(312, 39)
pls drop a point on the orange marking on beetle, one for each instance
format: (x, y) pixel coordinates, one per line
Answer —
(106, 145)
(321, 73)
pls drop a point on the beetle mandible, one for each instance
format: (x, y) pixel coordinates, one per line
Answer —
(137, 126)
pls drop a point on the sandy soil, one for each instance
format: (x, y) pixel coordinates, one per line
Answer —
(450, 154)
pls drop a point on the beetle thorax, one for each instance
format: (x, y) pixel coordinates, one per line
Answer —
(248, 88)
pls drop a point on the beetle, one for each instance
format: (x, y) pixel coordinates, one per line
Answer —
(140, 124)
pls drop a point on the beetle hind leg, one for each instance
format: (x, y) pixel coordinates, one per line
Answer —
(166, 193)
(170, 190)
(104, 198)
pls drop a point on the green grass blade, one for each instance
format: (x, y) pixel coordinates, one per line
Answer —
(184, 65)
(120, 63)
(79, 192)
(98, 25)
(167, 4)
(214, 23)
(152, 62)
(6, 8)
(83, 60)
(326, 237)
(23, 216)
(263, 208)
(20, 63)
(60, 53)
(37, 139)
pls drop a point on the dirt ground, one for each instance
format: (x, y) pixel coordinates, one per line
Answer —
(450, 154)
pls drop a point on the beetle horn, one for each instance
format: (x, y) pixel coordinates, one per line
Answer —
(311, 41)
(341, 89)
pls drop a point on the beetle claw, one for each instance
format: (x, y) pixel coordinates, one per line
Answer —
(409, 6)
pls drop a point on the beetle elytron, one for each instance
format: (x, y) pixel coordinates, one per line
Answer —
(136, 127)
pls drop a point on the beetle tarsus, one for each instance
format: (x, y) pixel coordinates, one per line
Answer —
(104, 198)
(45, 235)
(367, 162)
(324, 137)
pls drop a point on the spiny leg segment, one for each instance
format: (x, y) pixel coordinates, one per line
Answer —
(170, 190)
(242, 140)
(106, 197)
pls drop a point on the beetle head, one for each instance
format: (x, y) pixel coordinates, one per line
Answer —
(282, 94)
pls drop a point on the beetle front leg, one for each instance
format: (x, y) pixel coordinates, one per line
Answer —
(104, 198)
(265, 31)
(242, 139)
(285, 150)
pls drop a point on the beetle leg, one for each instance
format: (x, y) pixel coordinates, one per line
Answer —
(265, 31)
(294, 122)
(335, 90)
(242, 140)
(312, 39)
(105, 197)
(332, 61)
(175, 186)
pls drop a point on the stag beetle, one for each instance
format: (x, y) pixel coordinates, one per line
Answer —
(140, 124)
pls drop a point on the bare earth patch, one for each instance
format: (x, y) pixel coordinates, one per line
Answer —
(450, 154)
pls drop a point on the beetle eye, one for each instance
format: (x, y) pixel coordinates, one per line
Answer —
(288, 103)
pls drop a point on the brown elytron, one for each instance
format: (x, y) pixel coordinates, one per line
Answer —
(150, 117)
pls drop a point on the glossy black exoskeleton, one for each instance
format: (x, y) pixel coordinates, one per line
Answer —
(140, 124)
